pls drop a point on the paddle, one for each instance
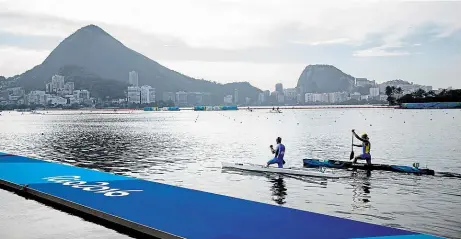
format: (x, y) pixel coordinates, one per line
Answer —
(352, 152)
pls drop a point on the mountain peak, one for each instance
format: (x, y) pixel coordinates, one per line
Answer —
(91, 53)
(91, 30)
(324, 78)
(92, 27)
(320, 66)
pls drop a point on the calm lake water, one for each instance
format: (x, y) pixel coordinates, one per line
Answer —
(186, 149)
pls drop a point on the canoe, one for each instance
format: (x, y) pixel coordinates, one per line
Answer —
(317, 163)
(289, 171)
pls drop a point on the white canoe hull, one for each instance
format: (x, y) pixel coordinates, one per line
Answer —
(290, 171)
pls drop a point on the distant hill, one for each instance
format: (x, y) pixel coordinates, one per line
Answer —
(92, 55)
(397, 82)
(325, 79)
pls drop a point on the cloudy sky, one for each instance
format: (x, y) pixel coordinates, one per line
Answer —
(260, 41)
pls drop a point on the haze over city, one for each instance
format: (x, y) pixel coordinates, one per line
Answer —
(262, 42)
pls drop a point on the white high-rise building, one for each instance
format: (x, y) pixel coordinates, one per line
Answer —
(133, 78)
(56, 100)
(318, 97)
(48, 87)
(181, 98)
(362, 82)
(261, 98)
(290, 93)
(267, 94)
(81, 95)
(309, 97)
(333, 97)
(57, 83)
(147, 94)
(374, 92)
(134, 94)
(280, 98)
(279, 88)
(69, 87)
(37, 97)
(152, 95)
(228, 99)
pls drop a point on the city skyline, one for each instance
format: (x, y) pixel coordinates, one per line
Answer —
(417, 44)
(58, 91)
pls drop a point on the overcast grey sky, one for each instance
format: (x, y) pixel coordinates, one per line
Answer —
(260, 41)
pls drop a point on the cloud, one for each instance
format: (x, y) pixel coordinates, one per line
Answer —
(243, 24)
(379, 51)
(384, 50)
(255, 31)
(28, 41)
(36, 24)
(14, 60)
(325, 42)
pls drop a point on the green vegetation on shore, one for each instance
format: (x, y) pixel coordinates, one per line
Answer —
(421, 96)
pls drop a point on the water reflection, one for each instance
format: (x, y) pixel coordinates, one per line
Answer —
(104, 150)
(278, 189)
(109, 149)
(278, 186)
(366, 190)
(361, 190)
(356, 172)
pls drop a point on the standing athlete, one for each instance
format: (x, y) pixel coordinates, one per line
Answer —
(279, 152)
(366, 148)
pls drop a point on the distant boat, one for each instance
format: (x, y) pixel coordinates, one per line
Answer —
(275, 111)
(34, 112)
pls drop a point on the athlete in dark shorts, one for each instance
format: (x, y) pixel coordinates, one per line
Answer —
(366, 148)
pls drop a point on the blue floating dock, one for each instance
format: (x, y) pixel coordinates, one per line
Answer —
(166, 211)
